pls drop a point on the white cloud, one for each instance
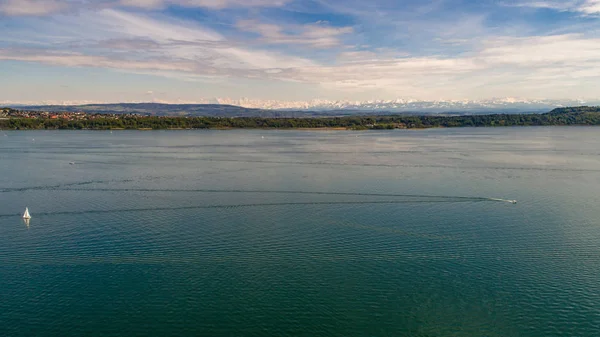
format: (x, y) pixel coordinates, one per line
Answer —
(128, 44)
(32, 7)
(47, 7)
(552, 4)
(122, 24)
(213, 4)
(139, 43)
(190, 41)
(181, 40)
(544, 51)
(358, 56)
(81, 60)
(316, 35)
(588, 7)
(536, 66)
(149, 4)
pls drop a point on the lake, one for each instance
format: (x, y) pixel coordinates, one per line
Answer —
(301, 233)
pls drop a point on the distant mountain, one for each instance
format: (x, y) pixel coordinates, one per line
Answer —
(158, 109)
(498, 105)
(319, 108)
(196, 110)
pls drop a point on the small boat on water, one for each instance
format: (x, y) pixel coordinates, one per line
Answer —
(26, 214)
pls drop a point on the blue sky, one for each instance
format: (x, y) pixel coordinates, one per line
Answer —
(63, 51)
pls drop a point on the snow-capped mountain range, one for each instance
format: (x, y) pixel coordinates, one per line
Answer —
(500, 104)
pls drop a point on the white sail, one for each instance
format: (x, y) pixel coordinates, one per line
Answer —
(26, 214)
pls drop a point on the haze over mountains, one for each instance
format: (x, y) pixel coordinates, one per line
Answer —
(403, 105)
(316, 108)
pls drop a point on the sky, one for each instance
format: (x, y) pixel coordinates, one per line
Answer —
(186, 51)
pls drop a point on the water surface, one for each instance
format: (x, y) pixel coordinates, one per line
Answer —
(297, 233)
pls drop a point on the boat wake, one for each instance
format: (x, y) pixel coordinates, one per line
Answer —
(171, 190)
(60, 186)
(504, 200)
(274, 204)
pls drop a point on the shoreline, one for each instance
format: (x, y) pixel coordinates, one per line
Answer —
(324, 129)
(576, 116)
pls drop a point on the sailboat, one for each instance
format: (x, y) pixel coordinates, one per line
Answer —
(26, 214)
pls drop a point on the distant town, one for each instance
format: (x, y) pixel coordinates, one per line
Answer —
(64, 115)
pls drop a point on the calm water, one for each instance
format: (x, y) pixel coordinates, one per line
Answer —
(390, 233)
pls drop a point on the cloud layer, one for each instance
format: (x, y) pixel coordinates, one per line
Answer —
(47, 7)
(375, 50)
